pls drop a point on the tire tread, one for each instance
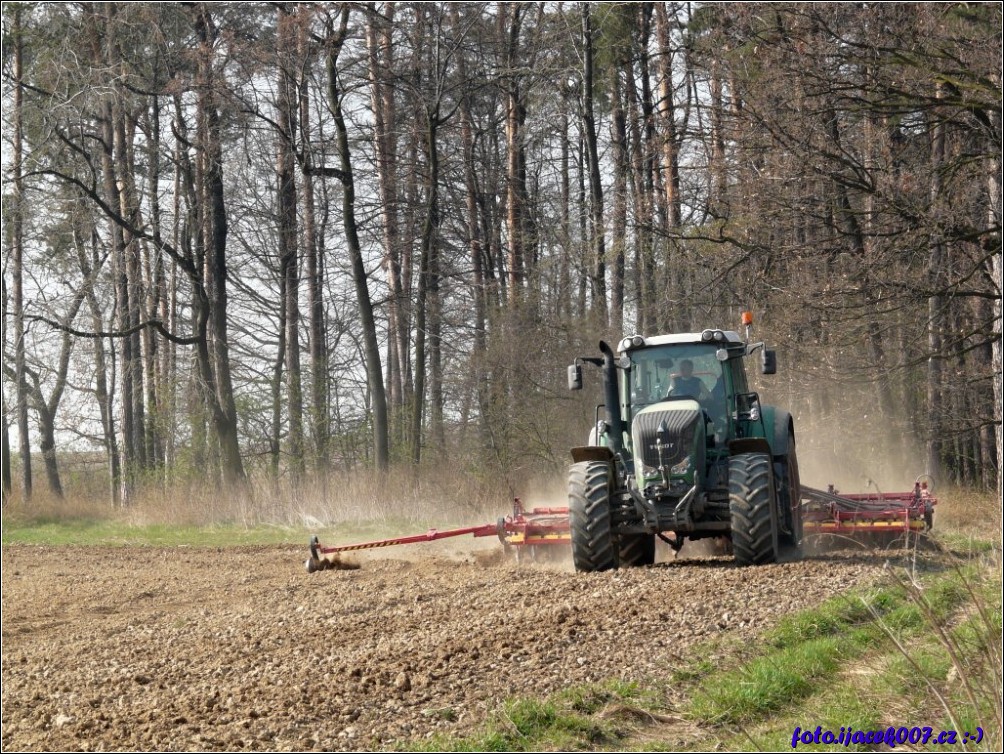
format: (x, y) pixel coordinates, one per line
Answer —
(589, 516)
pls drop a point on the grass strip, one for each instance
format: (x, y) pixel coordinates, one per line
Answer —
(807, 649)
(575, 719)
(115, 532)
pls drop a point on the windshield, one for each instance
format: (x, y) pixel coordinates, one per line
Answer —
(687, 369)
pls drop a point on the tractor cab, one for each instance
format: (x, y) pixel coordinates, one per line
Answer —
(678, 370)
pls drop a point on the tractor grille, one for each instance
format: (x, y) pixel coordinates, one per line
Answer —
(680, 426)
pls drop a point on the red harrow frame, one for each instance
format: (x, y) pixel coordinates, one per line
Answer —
(823, 512)
(536, 527)
(887, 513)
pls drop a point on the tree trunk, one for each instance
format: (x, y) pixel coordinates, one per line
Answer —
(667, 111)
(46, 409)
(563, 302)
(640, 187)
(427, 310)
(155, 295)
(127, 450)
(17, 263)
(371, 347)
(618, 133)
(314, 248)
(131, 289)
(716, 202)
(671, 287)
(596, 227)
(216, 354)
(101, 370)
(47, 443)
(997, 269)
(995, 432)
(381, 61)
(5, 454)
(275, 440)
(936, 311)
(648, 154)
(514, 195)
(287, 106)
(584, 265)
(5, 458)
(476, 251)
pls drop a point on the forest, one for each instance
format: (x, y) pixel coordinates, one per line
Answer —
(285, 244)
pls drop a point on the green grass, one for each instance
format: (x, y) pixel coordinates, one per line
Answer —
(112, 531)
(917, 661)
(838, 665)
(767, 683)
(86, 531)
(528, 725)
(590, 717)
(966, 545)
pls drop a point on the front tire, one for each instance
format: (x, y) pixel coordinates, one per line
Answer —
(589, 516)
(753, 509)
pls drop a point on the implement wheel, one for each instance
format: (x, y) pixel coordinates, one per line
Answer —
(589, 516)
(636, 550)
(753, 509)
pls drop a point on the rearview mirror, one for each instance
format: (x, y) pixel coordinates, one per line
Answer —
(768, 362)
(747, 407)
(575, 377)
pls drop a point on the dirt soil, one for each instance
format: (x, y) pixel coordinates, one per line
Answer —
(143, 648)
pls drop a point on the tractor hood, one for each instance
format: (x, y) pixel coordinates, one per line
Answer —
(667, 434)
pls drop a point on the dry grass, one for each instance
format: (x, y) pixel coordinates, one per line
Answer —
(968, 513)
(426, 497)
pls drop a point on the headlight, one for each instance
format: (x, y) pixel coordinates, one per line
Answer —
(633, 341)
(707, 335)
(683, 467)
(647, 472)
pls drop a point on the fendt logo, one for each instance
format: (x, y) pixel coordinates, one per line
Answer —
(663, 447)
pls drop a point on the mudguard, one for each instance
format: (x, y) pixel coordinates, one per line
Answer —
(778, 427)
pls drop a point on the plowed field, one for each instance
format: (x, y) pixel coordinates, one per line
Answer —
(239, 648)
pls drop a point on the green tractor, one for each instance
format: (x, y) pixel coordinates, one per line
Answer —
(684, 448)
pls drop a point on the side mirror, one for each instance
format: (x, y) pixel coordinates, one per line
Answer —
(768, 362)
(575, 377)
(747, 407)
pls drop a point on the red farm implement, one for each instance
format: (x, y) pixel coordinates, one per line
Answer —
(888, 513)
(533, 528)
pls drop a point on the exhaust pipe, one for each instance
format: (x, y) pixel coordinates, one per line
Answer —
(612, 400)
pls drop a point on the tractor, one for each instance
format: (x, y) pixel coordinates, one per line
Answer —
(683, 450)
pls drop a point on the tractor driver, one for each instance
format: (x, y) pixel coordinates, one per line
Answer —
(685, 383)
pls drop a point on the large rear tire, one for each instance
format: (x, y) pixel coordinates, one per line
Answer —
(589, 516)
(753, 509)
(789, 497)
(636, 550)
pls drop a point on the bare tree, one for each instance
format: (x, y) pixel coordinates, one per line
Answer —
(597, 231)
(17, 261)
(334, 41)
(287, 108)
